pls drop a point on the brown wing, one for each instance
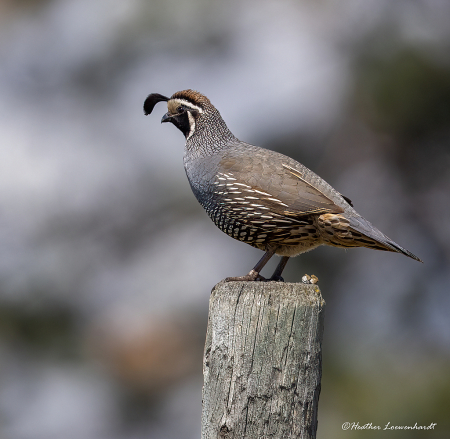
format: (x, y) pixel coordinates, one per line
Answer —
(284, 190)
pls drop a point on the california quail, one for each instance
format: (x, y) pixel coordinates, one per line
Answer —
(261, 197)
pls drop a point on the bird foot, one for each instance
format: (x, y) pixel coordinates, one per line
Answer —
(307, 279)
(276, 279)
(252, 276)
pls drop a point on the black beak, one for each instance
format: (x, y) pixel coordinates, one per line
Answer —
(166, 118)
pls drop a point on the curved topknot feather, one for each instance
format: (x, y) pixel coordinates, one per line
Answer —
(152, 100)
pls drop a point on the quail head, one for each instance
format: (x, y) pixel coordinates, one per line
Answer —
(262, 197)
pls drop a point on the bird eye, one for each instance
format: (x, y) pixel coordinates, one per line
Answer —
(180, 109)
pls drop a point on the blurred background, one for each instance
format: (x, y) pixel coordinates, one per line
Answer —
(107, 260)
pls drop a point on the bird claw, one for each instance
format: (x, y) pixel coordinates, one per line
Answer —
(307, 279)
(276, 279)
(250, 277)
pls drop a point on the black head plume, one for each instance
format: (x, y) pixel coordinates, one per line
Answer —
(152, 100)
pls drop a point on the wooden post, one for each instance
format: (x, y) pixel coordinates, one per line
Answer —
(262, 361)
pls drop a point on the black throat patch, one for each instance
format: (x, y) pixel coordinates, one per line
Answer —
(182, 123)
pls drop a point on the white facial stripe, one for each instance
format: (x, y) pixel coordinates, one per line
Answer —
(188, 105)
(191, 125)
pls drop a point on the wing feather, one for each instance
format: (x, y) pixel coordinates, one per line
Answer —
(284, 190)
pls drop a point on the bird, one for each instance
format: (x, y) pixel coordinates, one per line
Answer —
(259, 196)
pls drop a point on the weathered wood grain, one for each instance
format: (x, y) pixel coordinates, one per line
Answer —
(262, 361)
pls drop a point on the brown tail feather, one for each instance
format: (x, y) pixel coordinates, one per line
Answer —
(356, 231)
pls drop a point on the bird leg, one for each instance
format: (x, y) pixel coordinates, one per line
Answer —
(254, 273)
(276, 276)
